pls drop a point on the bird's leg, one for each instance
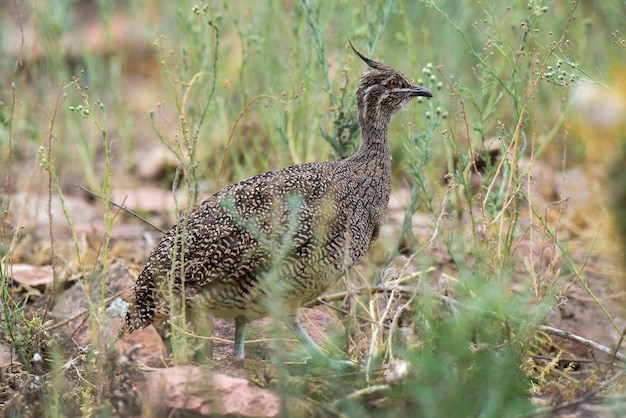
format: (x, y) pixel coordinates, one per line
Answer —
(293, 323)
(240, 324)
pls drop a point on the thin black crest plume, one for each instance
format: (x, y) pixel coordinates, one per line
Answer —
(371, 63)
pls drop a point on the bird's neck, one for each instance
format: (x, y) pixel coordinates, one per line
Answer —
(371, 166)
(374, 149)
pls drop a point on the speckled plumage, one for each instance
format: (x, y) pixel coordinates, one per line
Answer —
(277, 240)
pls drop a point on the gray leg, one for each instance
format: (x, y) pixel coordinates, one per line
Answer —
(293, 323)
(240, 324)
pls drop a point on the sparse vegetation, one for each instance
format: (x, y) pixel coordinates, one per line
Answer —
(500, 221)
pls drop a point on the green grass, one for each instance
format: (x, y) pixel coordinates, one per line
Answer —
(232, 90)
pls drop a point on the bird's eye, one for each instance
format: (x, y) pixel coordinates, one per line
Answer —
(393, 83)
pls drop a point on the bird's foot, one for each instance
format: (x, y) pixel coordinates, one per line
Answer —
(332, 364)
(341, 365)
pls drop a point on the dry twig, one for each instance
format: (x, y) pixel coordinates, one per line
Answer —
(581, 340)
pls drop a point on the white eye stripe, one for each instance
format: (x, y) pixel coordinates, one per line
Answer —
(367, 90)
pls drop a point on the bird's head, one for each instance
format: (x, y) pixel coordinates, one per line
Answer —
(383, 91)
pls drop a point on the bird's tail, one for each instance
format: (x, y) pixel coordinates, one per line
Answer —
(141, 310)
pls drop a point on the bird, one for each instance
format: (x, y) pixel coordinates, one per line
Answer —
(267, 245)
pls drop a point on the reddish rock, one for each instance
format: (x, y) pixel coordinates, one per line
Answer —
(71, 307)
(191, 389)
(152, 354)
(31, 276)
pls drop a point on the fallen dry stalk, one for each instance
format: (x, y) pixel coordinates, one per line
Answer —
(581, 340)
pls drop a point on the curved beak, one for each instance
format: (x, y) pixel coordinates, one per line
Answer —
(420, 91)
